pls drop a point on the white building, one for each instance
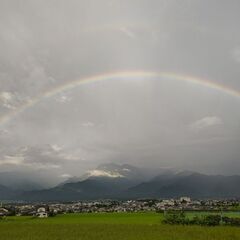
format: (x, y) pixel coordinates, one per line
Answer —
(3, 212)
(42, 213)
(185, 199)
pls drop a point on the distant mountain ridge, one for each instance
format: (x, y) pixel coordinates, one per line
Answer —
(111, 171)
(6, 193)
(25, 181)
(113, 181)
(106, 181)
(195, 185)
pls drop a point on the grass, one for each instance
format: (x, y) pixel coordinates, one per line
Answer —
(110, 227)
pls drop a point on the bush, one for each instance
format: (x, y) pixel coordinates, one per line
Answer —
(211, 220)
(176, 218)
(179, 218)
(51, 214)
(231, 221)
(196, 221)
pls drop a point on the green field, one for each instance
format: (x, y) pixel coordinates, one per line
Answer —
(108, 226)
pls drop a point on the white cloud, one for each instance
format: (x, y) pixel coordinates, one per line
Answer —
(20, 160)
(39, 157)
(4, 132)
(7, 99)
(63, 99)
(71, 157)
(56, 147)
(66, 175)
(11, 100)
(7, 96)
(101, 173)
(12, 160)
(206, 122)
(88, 124)
(128, 32)
(43, 166)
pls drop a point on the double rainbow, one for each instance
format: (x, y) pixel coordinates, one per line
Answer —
(118, 75)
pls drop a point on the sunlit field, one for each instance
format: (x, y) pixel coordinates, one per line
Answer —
(108, 226)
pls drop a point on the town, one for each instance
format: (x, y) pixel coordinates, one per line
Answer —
(43, 210)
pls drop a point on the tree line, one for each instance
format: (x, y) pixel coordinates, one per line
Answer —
(180, 218)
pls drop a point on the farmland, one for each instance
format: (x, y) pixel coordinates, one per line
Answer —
(108, 226)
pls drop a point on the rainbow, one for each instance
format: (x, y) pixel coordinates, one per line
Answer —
(118, 75)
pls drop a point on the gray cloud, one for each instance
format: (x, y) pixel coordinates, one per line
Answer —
(156, 122)
(236, 54)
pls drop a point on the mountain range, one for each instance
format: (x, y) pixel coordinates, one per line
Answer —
(128, 182)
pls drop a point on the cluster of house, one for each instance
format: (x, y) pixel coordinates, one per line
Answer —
(144, 205)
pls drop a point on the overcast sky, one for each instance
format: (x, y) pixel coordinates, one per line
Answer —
(155, 122)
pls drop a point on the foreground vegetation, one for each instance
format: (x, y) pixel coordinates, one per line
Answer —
(181, 218)
(109, 226)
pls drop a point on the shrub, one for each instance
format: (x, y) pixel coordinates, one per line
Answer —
(176, 218)
(231, 221)
(180, 218)
(196, 221)
(51, 214)
(211, 220)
